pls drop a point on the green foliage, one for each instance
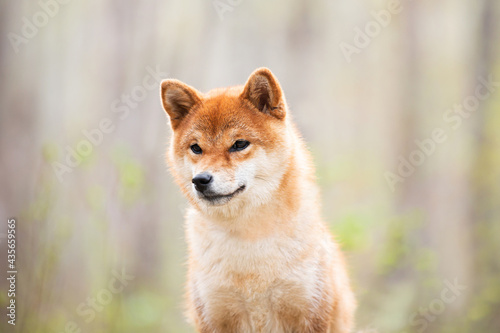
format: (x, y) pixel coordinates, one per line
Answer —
(353, 231)
(131, 175)
(399, 243)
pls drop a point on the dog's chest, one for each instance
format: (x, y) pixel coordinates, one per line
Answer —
(255, 281)
(250, 265)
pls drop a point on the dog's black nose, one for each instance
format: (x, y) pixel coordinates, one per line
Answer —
(201, 181)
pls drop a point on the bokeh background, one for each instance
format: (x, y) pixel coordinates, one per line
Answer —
(84, 62)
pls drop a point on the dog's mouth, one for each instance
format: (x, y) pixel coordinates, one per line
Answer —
(220, 199)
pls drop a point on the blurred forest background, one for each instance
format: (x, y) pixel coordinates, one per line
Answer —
(361, 99)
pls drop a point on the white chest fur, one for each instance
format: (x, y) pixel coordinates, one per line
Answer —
(254, 279)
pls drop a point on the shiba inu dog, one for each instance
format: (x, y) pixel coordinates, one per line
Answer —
(260, 257)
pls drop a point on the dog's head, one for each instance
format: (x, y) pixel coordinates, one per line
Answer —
(230, 147)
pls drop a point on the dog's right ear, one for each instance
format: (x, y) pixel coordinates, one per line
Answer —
(178, 99)
(264, 92)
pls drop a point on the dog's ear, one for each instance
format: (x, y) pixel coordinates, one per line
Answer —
(178, 99)
(264, 92)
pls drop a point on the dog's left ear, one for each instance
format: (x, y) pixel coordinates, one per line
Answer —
(178, 99)
(264, 92)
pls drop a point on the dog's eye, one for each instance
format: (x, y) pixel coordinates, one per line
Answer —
(196, 149)
(239, 145)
